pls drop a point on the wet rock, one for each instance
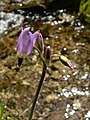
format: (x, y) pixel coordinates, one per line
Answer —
(65, 4)
(9, 21)
(51, 97)
(56, 115)
(19, 4)
(11, 5)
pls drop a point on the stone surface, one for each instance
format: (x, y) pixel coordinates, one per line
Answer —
(10, 5)
(19, 4)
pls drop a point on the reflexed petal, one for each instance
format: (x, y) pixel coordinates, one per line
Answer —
(35, 36)
(25, 42)
(29, 45)
(21, 40)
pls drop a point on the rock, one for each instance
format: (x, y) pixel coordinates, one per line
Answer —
(10, 5)
(14, 13)
(9, 21)
(56, 115)
(51, 97)
(65, 4)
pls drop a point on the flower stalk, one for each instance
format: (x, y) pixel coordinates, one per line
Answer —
(38, 90)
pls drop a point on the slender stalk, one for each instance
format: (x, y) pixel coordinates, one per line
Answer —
(41, 55)
(38, 90)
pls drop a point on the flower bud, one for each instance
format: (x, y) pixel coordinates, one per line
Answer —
(40, 42)
(66, 61)
(47, 52)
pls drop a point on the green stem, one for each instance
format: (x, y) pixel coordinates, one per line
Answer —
(38, 90)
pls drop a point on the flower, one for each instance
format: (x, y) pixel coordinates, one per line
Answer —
(26, 41)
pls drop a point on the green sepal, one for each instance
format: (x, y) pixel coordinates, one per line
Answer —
(65, 61)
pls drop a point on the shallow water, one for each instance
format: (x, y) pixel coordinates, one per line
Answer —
(66, 92)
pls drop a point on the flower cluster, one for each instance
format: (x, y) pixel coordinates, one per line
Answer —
(26, 42)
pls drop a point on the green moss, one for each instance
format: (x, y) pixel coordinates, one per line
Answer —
(85, 10)
(4, 114)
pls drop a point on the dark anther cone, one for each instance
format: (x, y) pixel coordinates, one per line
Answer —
(20, 60)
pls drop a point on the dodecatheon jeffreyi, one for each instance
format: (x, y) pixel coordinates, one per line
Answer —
(25, 44)
(26, 41)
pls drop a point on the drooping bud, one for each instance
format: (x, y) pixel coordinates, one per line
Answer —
(47, 52)
(66, 61)
(40, 42)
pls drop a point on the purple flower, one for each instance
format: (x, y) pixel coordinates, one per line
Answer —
(26, 41)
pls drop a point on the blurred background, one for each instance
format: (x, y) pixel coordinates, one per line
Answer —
(65, 26)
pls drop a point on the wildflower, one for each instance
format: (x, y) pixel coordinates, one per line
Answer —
(26, 41)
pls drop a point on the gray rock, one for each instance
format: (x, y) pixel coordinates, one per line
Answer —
(9, 20)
